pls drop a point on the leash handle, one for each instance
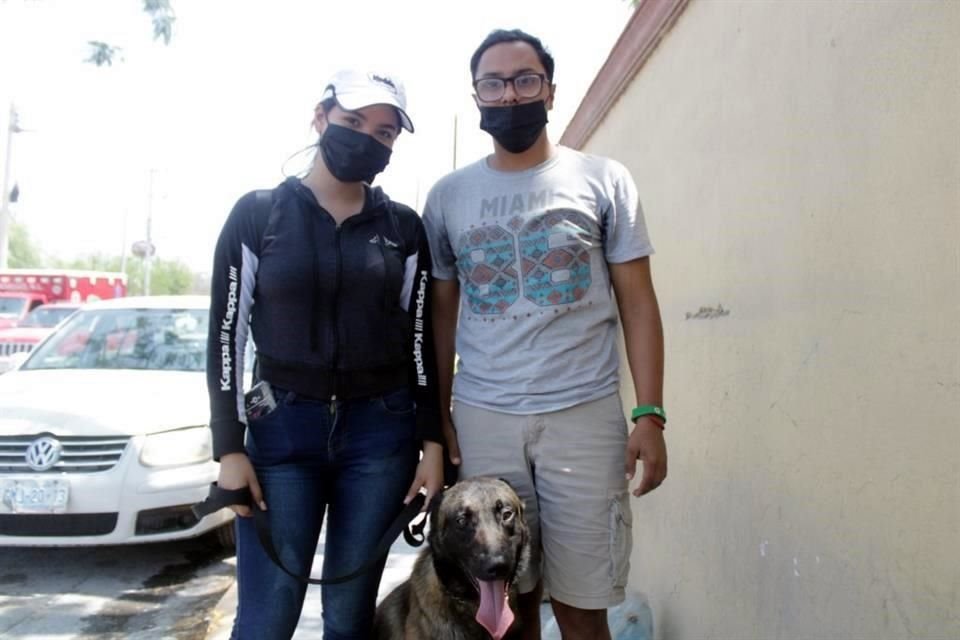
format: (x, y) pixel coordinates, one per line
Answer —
(219, 498)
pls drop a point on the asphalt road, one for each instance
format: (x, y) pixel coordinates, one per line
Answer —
(135, 592)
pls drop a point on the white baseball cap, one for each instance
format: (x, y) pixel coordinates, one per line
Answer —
(354, 90)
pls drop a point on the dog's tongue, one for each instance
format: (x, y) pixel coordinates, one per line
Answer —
(494, 613)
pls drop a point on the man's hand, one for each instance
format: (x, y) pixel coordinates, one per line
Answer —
(429, 473)
(236, 472)
(453, 445)
(646, 444)
(446, 306)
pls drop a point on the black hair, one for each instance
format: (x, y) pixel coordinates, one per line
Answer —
(512, 35)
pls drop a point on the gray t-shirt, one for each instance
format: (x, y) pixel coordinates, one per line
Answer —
(537, 328)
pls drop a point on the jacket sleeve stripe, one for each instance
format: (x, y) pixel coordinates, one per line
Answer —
(409, 273)
(248, 278)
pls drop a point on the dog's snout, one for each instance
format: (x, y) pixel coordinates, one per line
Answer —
(496, 568)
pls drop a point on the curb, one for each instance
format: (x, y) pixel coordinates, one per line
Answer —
(221, 618)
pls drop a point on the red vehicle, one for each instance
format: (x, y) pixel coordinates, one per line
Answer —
(38, 324)
(23, 290)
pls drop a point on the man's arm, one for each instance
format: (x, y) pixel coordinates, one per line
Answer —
(446, 309)
(643, 337)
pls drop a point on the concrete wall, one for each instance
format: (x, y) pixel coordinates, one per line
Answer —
(798, 163)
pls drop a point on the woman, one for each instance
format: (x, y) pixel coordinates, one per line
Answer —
(331, 279)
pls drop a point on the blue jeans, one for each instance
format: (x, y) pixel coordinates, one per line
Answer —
(355, 460)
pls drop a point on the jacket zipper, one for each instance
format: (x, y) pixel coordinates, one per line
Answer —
(336, 322)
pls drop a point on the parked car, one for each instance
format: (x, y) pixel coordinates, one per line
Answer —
(49, 315)
(36, 326)
(103, 429)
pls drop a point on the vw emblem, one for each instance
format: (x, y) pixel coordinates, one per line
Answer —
(43, 453)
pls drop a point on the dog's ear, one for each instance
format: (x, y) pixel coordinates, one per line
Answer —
(523, 548)
(437, 517)
(507, 482)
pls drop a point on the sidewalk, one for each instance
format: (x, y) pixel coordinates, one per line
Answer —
(399, 563)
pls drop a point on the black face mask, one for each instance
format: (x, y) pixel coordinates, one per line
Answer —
(516, 127)
(352, 156)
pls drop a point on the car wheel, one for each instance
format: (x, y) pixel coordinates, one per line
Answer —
(223, 538)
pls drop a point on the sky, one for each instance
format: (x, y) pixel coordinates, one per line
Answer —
(182, 131)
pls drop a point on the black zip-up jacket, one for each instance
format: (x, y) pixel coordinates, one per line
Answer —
(335, 312)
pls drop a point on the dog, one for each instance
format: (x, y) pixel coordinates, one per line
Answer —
(462, 586)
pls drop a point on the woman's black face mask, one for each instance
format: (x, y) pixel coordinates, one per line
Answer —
(352, 156)
(515, 127)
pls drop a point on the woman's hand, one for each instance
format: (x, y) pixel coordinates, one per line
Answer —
(429, 473)
(236, 472)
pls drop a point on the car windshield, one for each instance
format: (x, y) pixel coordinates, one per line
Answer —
(153, 339)
(12, 306)
(46, 316)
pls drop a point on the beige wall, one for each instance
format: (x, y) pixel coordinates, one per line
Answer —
(798, 162)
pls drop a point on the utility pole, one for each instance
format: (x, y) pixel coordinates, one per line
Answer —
(13, 127)
(148, 259)
(124, 249)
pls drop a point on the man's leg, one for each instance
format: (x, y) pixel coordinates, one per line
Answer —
(529, 606)
(585, 518)
(581, 624)
(495, 444)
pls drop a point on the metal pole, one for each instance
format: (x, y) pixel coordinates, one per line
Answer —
(149, 257)
(123, 247)
(12, 127)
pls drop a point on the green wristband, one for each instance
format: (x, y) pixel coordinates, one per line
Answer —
(648, 410)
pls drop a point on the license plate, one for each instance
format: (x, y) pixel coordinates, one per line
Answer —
(34, 496)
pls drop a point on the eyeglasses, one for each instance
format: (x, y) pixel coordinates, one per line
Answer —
(525, 85)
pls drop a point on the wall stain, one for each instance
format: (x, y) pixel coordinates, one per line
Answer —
(709, 313)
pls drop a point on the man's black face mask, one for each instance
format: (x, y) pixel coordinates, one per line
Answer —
(515, 127)
(352, 156)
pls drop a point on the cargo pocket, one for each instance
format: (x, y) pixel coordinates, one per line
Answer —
(621, 538)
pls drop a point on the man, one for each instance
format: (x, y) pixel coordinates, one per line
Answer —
(527, 243)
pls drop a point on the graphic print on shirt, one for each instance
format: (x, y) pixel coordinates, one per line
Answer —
(556, 264)
(488, 259)
(552, 250)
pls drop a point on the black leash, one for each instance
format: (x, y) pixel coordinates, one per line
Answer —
(219, 498)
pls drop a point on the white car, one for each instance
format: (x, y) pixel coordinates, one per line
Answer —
(103, 429)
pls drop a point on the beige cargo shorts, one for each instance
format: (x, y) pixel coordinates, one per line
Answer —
(568, 467)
